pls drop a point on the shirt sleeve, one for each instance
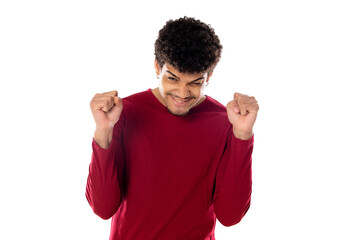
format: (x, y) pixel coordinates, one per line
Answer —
(233, 184)
(103, 188)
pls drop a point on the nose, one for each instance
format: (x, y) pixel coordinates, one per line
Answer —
(184, 91)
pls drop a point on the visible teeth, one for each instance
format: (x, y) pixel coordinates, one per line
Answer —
(180, 101)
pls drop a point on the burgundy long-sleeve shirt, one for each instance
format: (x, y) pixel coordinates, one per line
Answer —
(168, 177)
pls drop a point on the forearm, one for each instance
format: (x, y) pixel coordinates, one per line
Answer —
(103, 189)
(233, 194)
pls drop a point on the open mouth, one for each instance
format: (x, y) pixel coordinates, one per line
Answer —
(180, 102)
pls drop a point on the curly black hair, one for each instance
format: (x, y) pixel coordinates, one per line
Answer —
(189, 45)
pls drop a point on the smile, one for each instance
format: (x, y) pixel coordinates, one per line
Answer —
(179, 102)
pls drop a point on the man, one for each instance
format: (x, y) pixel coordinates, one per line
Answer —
(168, 161)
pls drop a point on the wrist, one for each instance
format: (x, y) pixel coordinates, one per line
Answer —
(103, 137)
(103, 129)
(242, 135)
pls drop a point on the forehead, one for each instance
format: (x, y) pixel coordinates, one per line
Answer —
(172, 69)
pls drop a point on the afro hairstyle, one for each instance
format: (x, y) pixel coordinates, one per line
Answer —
(189, 45)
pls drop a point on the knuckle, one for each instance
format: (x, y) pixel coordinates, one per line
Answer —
(229, 104)
(241, 100)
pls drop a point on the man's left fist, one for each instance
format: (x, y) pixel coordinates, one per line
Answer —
(242, 112)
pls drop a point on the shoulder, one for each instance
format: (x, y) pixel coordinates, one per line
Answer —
(210, 105)
(212, 111)
(131, 106)
(136, 97)
(141, 100)
(221, 119)
(215, 105)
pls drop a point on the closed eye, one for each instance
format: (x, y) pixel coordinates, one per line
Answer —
(172, 79)
(197, 83)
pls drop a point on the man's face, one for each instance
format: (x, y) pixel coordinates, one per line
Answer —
(180, 91)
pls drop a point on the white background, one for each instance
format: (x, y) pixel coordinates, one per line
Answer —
(300, 59)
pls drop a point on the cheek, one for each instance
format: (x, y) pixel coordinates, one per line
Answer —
(167, 87)
(199, 91)
(163, 87)
(165, 84)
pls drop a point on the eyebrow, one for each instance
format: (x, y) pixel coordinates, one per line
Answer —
(179, 78)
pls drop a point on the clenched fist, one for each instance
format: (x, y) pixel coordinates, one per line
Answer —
(106, 109)
(242, 112)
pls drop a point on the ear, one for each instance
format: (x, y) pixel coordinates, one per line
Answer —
(157, 67)
(209, 76)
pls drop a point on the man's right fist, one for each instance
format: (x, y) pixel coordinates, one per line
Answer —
(106, 109)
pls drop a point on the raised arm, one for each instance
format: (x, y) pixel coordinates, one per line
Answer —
(103, 188)
(234, 181)
(234, 177)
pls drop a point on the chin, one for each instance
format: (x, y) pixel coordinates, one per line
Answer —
(181, 109)
(178, 113)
